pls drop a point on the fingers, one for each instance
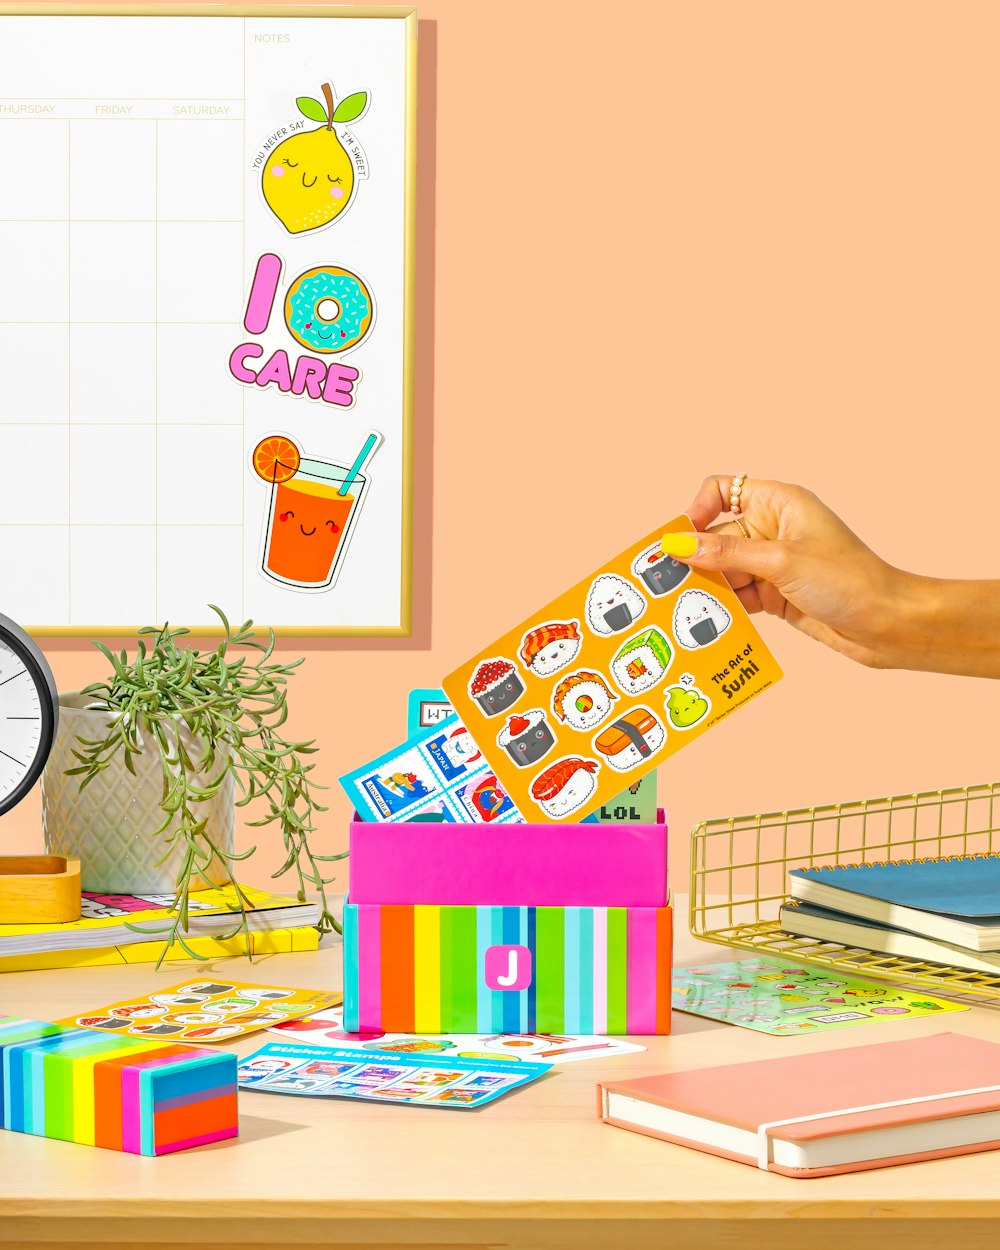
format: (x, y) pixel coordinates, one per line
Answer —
(731, 554)
(710, 502)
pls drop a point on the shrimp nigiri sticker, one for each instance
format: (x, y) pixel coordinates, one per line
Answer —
(609, 680)
(565, 786)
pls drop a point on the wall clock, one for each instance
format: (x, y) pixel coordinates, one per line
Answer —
(29, 713)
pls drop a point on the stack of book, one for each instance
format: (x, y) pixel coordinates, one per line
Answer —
(124, 928)
(944, 911)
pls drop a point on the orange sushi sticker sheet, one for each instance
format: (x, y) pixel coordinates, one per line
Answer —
(603, 684)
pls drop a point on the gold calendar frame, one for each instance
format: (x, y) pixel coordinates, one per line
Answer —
(408, 15)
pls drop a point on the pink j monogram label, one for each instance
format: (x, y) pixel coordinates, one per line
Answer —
(508, 967)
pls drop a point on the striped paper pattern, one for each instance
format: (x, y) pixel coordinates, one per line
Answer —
(421, 969)
(143, 1097)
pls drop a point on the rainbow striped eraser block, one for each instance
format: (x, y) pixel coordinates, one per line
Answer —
(118, 1092)
(454, 969)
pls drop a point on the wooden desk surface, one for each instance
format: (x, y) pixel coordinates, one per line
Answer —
(535, 1170)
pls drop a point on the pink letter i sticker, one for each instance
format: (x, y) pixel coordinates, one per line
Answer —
(508, 967)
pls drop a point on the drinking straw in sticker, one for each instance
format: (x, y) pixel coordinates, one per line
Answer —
(362, 458)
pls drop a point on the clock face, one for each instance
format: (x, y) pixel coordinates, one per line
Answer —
(20, 721)
(28, 712)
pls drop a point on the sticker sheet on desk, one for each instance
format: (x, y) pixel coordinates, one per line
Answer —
(427, 1081)
(439, 774)
(326, 1028)
(772, 997)
(204, 1010)
(600, 686)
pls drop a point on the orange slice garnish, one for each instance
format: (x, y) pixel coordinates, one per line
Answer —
(276, 458)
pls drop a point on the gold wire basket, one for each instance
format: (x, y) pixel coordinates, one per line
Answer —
(739, 866)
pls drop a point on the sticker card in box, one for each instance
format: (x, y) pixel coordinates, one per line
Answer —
(600, 686)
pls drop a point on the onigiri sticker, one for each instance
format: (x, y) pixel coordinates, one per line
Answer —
(566, 786)
(583, 700)
(641, 662)
(699, 619)
(496, 686)
(527, 738)
(613, 604)
(547, 649)
(659, 573)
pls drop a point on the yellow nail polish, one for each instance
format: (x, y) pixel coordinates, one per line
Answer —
(679, 545)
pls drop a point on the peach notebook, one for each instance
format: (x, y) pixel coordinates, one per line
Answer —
(826, 1112)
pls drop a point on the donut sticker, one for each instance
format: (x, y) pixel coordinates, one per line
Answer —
(310, 173)
(329, 309)
(565, 787)
(312, 510)
(699, 619)
(583, 699)
(547, 649)
(613, 604)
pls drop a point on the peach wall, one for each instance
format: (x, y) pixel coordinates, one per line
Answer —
(663, 239)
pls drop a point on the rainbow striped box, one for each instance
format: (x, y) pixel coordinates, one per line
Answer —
(118, 1092)
(465, 969)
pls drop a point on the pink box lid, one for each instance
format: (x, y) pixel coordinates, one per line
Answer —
(509, 865)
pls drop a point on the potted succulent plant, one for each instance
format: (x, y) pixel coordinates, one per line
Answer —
(153, 761)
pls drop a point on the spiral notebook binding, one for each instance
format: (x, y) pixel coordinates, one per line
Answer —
(893, 863)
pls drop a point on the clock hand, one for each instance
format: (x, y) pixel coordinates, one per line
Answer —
(20, 674)
(10, 757)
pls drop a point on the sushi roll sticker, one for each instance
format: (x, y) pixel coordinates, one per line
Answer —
(582, 700)
(642, 662)
(527, 738)
(495, 685)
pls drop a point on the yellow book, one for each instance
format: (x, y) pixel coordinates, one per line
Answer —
(275, 942)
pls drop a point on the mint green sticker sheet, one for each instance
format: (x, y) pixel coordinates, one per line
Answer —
(770, 996)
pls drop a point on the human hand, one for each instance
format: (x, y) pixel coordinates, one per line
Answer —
(801, 563)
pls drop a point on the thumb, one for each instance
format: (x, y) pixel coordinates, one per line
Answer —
(730, 553)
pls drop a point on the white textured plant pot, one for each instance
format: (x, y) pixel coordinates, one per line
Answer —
(111, 824)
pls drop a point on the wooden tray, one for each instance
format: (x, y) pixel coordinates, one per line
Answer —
(39, 889)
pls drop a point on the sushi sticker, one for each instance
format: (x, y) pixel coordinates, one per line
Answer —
(547, 649)
(566, 786)
(686, 706)
(641, 662)
(659, 573)
(630, 740)
(582, 700)
(613, 604)
(699, 619)
(527, 738)
(495, 685)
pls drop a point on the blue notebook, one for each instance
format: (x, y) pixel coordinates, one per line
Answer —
(955, 899)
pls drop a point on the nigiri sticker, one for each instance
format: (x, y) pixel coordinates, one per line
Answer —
(583, 700)
(699, 619)
(547, 649)
(566, 786)
(613, 604)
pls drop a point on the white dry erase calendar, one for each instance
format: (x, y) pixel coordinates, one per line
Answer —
(206, 313)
